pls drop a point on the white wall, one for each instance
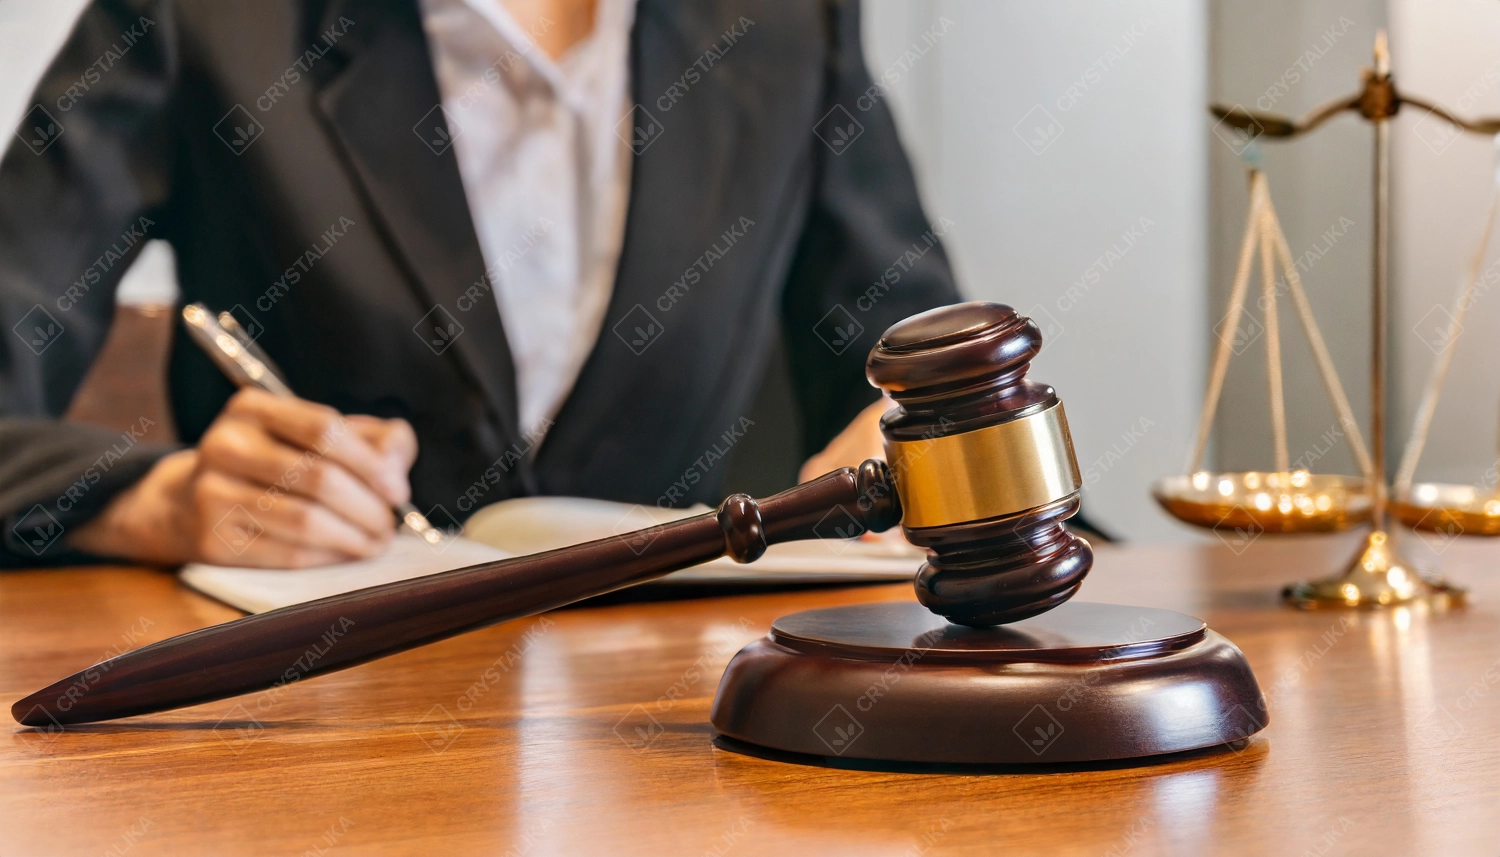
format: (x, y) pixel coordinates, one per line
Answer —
(31, 31)
(1447, 52)
(1122, 84)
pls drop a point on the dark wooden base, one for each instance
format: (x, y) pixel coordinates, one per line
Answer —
(1081, 683)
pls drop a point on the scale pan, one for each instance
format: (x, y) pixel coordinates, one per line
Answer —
(1296, 502)
(1451, 509)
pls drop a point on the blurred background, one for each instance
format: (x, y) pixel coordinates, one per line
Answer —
(1066, 149)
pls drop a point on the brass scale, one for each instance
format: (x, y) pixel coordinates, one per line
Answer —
(1296, 501)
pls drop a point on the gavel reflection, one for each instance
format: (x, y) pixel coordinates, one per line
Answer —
(980, 461)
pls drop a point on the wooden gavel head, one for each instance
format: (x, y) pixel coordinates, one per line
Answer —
(983, 464)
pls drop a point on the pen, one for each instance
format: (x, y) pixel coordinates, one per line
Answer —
(230, 347)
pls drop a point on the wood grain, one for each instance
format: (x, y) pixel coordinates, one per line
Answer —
(1384, 736)
(269, 651)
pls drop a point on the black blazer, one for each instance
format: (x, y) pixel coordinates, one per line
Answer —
(333, 217)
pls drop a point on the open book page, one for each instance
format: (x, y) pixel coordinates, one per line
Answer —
(533, 524)
(256, 590)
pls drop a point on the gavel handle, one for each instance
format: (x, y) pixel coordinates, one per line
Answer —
(274, 649)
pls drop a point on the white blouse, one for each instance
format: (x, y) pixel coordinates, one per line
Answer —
(546, 176)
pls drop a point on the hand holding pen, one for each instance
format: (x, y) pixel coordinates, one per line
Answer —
(276, 481)
(238, 356)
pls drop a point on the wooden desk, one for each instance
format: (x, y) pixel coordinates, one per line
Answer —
(1385, 737)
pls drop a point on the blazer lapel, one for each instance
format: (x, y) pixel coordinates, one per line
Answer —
(382, 107)
(679, 203)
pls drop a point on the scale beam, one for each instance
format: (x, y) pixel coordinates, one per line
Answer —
(1378, 575)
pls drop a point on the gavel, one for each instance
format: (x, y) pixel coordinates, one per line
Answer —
(981, 473)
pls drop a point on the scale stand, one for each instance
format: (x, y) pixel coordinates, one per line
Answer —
(1378, 575)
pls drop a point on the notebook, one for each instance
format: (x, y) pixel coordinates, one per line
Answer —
(532, 524)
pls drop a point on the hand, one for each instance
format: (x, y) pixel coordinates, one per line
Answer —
(274, 483)
(859, 440)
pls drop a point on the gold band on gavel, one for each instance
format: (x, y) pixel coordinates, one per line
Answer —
(986, 473)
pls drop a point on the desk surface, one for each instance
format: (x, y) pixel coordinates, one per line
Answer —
(1384, 738)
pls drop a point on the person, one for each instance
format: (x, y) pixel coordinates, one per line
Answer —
(498, 247)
